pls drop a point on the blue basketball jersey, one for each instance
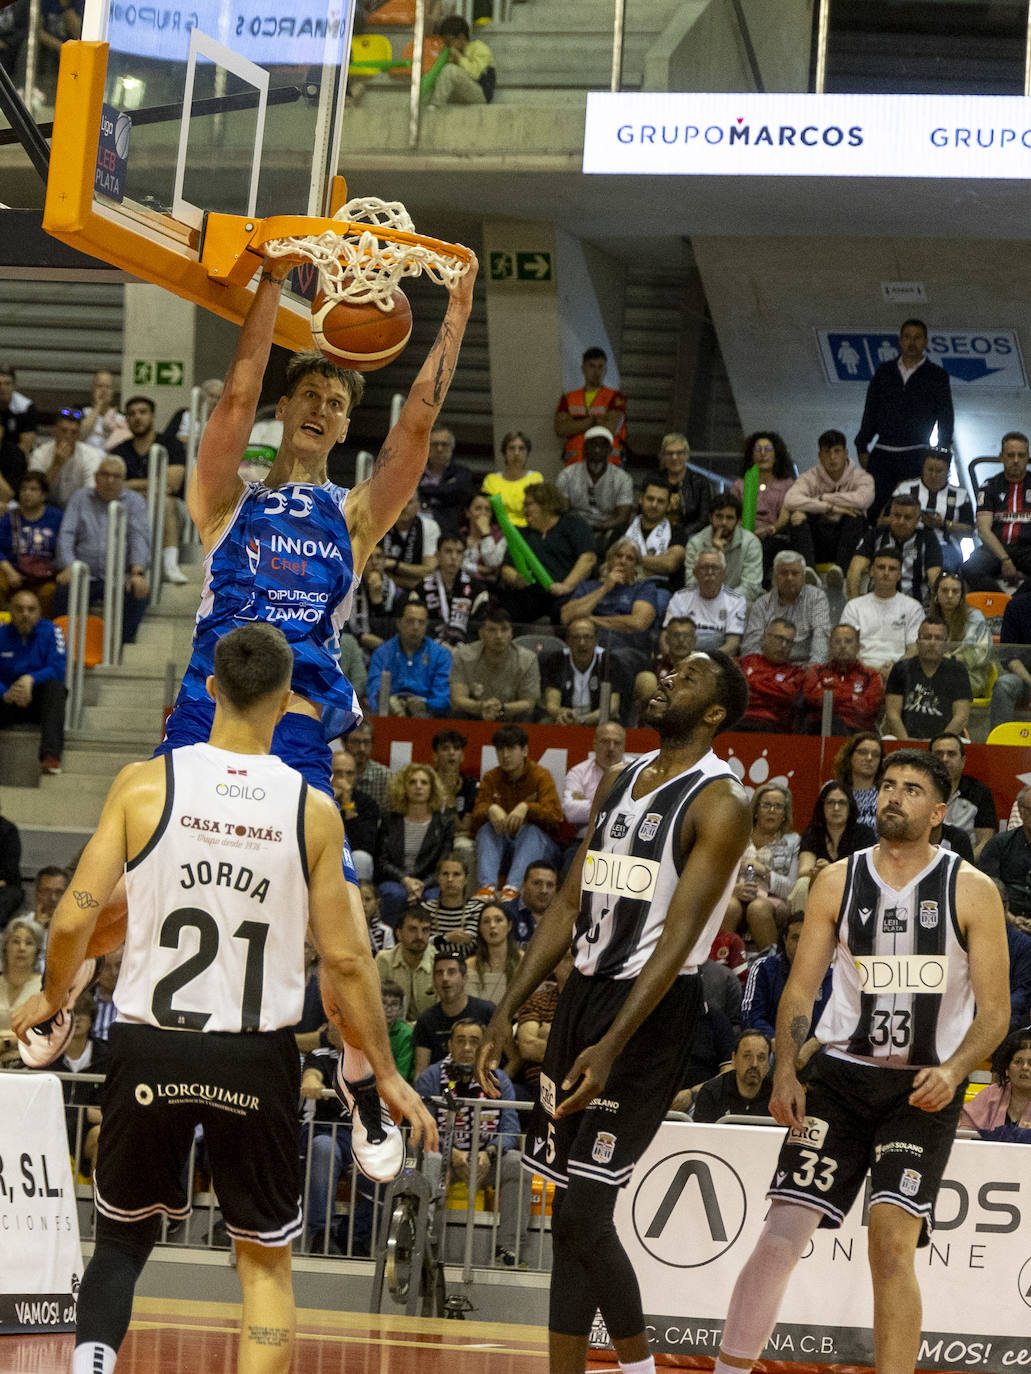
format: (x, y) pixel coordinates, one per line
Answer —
(285, 558)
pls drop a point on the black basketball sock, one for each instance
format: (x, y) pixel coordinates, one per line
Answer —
(105, 1297)
(590, 1268)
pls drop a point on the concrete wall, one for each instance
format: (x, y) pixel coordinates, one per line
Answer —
(701, 48)
(769, 295)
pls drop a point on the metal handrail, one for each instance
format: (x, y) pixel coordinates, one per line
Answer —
(157, 483)
(190, 534)
(618, 35)
(363, 466)
(75, 644)
(114, 584)
(415, 84)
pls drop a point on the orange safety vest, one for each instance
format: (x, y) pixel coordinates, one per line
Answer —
(576, 404)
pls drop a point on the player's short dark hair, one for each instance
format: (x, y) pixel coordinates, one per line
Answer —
(252, 662)
(905, 499)
(591, 353)
(510, 737)
(1010, 434)
(303, 365)
(924, 762)
(726, 501)
(655, 482)
(447, 954)
(415, 913)
(832, 438)
(919, 324)
(732, 691)
(453, 26)
(933, 620)
(448, 737)
(496, 615)
(39, 478)
(140, 401)
(949, 734)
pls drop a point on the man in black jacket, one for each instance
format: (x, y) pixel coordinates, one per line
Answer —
(745, 1089)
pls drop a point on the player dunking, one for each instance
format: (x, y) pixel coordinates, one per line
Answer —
(291, 551)
(884, 1094)
(642, 902)
(221, 888)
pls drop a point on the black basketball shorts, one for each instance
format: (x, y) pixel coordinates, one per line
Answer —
(605, 1140)
(243, 1090)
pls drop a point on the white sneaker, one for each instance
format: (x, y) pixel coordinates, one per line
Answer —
(48, 1040)
(376, 1142)
(175, 576)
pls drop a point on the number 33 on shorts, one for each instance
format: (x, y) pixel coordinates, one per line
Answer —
(815, 1169)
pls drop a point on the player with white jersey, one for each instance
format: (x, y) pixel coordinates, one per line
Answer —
(229, 858)
(641, 903)
(920, 996)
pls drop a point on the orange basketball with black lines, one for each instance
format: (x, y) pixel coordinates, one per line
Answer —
(360, 335)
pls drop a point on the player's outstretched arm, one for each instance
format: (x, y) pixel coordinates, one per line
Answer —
(348, 966)
(795, 1009)
(983, 923)
(722, 824)
(373, 506)
(215, 484)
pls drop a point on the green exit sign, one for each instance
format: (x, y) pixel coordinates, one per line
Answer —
(152, 372)
(512, 266)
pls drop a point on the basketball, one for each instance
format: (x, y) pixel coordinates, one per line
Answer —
(360, 335)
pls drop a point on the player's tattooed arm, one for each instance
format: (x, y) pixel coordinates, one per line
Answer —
(85, 901)
(443, 359)
(799, 1032)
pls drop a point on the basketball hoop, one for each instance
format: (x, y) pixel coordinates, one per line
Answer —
(360, 255)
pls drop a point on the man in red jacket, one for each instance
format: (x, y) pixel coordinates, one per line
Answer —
(774, 682)
(858, 691)
(515, 818)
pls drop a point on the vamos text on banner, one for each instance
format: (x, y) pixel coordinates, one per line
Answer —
(702, 134)
(40, 1258)
(693, 1209)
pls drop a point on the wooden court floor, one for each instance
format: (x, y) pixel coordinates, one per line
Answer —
(172, 1336)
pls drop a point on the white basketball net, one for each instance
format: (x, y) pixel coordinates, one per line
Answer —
(367, 267)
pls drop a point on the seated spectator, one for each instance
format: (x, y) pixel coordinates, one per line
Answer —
(329, 1154)
(951, 837)
(745, 1089)
(806, 607)
(32, 665)
(717, 613)
(768, 868)
(452, 918)
(1019, 942)
(927, 695)
(540, 883)
(857, 692)
(676, 640)
(660, 542)
(774, 682)
(946, 510)
(65, 461)
(381, 936)
(410, 964)
(377, 601)
(740, 548)
(1002, 1110)
(495, 957)
(600, 492)
(622, 606)
(1002, 560)
(178, 426)
(1012, 690)
(449, 595)
(711, 1052)
(722, 989)
(767, 451)
(459, 789)
(1006, 856)
(485, 545)
(859, 765)
(84, 536)
(516, 816)
(419, 668)
(445, 488)
(433, 1029)
(592, 404)
(971, 806)
(360, 814)
(28, 542)
(690, 496)
(494, 679)
(410, 545)
(834, 832)
(728, 950)
(104, 994)
(766, 979)
(414, 835)
(564, 546)
(103, 424)
(827, 507)
(583, 778)
(498, 1157)
(533, 1022)
(135, 452)
(372, 777)
(920, 550)
(49, 887)
(11, 891)
(969, 636)
(470, 75)
(18, 419)
(887, 621)
(572, 678)
(398, 1029)
(19, 954)
(513, 479)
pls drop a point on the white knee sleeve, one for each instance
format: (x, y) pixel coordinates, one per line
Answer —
(760, 1285)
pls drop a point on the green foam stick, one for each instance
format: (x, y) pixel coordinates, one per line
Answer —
(749, 497)
(429, 79)
(527, 564)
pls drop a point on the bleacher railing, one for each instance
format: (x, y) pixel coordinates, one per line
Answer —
(75, 644)
(157, 482)
(114, 584)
